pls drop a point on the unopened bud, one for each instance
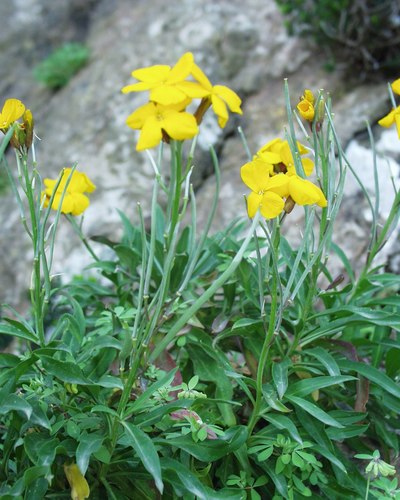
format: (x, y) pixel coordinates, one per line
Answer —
(28, 126)
(306, 110)
(289, 205)
(320, 112)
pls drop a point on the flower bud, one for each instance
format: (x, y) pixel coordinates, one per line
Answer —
(289, 205)
(306, 110)
(28, 126)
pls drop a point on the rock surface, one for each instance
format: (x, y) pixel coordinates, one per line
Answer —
(245, 48)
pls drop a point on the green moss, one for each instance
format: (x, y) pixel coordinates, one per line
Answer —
(56, 71)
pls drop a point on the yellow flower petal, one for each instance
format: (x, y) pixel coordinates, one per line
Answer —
(279, 184)
(12, 110)
(308, 166)
(152, 74)
(182, 68)
(137, 119)
(230, 97)
(255, 174)
(253, 203)
(137, 87)
(219, 108)
(269, 157)
(167, 94)
(304, 192)
(396, 86)
(199, 75)
(273, 146)
(306, 110)
(388, 120)
(271, 205)
(79, 486)
(308, 96)
(193, 89)
(180, 126)
(80, 203)
(150, 134)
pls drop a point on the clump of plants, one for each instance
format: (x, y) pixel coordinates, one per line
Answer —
(61, 65)
(202, 366)
(361, 35)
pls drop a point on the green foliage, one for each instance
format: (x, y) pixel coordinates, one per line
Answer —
(362, 35)
(211, 367)
(61, 65)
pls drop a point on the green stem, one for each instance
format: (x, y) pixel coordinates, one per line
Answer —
(123, 402)
(36, 285)
(367, 490)
(176, 178)
(206, 295)
(272, 326)
(78, 230)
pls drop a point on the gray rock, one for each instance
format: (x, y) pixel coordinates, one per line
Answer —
(245, 47)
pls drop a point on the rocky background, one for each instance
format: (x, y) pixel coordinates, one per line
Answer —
(240, 44)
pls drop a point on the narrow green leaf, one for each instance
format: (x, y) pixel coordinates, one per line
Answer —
(372, 374)
(144, 447)
(309, 385)
(33, 473)
(245, 323)
(346, 433)
(211, 450)
(64, 370)
(13, 331)
(326, 359)
(88, 444)
(272, 400)
(103, 409)
(186, 482)
(314, 410)
(280, 376)
(39, 416)
(283, 422)
(110, 382)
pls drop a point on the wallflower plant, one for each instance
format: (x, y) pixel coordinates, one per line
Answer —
(230, 365)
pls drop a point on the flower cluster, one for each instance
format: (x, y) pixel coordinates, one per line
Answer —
(171, 90)
(394, 116)
(75, 184)
(12, 111)
(275, 185)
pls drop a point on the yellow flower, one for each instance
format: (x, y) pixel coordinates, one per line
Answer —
(219, 96)
(308, 96)
(267, 192)
(304, 192)
(74, 202)
(167, 85)
(306, 110)
(154, 119)
(272, 177)
(12, 110)
(396, 86)
(285, 162)
(391, 118)
(79, 486)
